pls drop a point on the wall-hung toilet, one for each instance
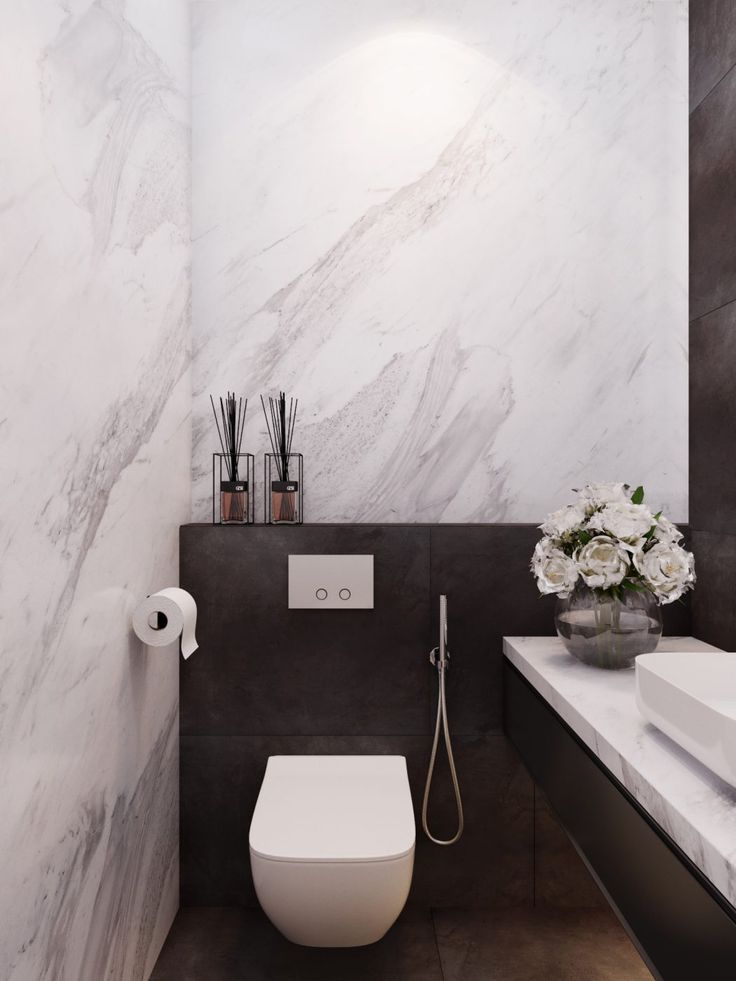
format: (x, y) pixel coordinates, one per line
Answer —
(332, 847)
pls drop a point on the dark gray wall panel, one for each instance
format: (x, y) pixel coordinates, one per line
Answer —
(264, 668)
(491, 865)
(714, 606)
(484, 569)
(713, 307)
(713, 420)
(712, 45)
(713, 200)
(268, 680)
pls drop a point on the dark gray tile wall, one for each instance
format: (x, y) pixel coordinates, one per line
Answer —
(268, 680)
(713, 420)
(484, 569)
(714, 609)
(713, 316)
(221, 777)
(713, 199)
(290, 672)
(712, 45)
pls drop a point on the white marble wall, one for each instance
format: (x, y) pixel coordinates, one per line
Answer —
(456, 229)
(95, 443)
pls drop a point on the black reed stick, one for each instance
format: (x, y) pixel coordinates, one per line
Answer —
(280, 424)
(232, 416)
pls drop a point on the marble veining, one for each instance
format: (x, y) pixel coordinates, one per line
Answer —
(457, 231)
(95, 439)
(694, 806)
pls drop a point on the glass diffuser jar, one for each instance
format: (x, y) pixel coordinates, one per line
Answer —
(236, 501)
(607, 632)
(233, 503)
(283, 489)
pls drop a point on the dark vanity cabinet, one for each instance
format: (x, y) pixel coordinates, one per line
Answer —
(683, 927)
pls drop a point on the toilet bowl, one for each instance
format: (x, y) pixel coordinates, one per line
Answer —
(332, 847)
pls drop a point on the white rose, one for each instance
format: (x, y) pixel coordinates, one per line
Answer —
(602, 562)
(597, 495)
(667, 569)
(555, 571)
(562, 522)
(667, 532)
(628, 522)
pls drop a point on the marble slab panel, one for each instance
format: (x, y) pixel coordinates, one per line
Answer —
(457, 232)
(95, 443)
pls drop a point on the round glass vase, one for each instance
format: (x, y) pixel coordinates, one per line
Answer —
(605, 631)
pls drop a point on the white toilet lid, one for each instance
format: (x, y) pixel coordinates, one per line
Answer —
(333, 809)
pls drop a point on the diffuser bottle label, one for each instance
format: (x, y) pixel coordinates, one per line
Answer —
(284, 486)
(233, 486)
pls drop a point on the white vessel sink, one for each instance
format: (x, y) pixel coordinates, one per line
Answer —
(692, 698)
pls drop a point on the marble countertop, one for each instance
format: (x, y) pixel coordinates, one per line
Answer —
(694, 807)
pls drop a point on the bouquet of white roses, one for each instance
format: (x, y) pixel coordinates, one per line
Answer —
(612, 542)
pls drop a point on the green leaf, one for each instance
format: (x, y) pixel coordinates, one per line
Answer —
(638, 496)
(584, 537)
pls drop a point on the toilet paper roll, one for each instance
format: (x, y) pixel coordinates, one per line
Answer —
(164, 616)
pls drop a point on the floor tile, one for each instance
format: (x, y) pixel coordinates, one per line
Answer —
(535, 945)
(230, 944)
(560, 876)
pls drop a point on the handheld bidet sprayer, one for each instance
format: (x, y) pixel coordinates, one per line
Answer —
(439, 657)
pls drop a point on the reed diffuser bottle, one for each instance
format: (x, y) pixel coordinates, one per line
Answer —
(233, 494)
(283, 470)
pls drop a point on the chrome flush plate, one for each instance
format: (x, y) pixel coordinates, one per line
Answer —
(330, 582)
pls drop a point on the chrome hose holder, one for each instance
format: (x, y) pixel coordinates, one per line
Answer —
(439, 659)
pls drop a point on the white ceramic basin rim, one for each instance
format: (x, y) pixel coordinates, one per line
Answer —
(691, 697)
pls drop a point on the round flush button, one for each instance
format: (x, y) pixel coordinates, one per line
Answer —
(345, 593)
(321, 593)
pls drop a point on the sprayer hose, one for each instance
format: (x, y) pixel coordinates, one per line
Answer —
(442, 720)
